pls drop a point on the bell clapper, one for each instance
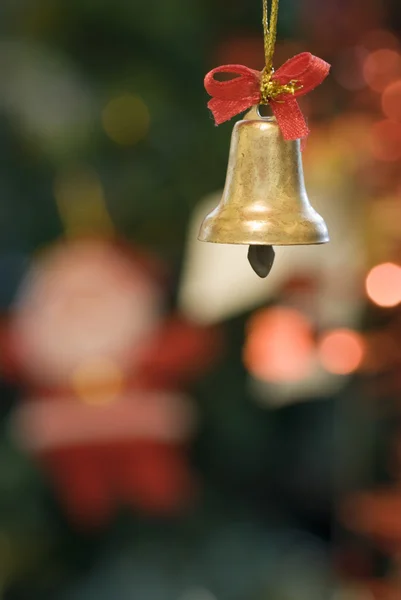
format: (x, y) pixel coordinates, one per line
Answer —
(261, 259)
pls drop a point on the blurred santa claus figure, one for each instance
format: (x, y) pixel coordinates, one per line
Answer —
(104, 370)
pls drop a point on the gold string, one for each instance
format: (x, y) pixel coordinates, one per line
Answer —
(270, 31)
(270, 89)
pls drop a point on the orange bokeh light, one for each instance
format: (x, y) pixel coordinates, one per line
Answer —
(381, 68)
(383, 285)
(279, 346)
(391, 101)
(385, 140)
(341, 351)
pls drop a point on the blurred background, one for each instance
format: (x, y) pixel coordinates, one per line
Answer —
(172, 427)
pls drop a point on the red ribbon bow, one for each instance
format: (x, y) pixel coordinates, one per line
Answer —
(229, 98)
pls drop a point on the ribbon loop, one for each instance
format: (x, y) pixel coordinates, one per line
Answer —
(245, 82)
(298, 76)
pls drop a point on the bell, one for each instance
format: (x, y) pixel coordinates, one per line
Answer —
(264, 201)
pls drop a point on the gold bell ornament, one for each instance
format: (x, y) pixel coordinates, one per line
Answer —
(265, 203)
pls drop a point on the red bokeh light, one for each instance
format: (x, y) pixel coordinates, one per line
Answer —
(341, 351)
(381, 68)
(279, 345)
(383, 285)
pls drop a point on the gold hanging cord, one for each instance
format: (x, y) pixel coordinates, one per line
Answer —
(270, 89)
(270, 31)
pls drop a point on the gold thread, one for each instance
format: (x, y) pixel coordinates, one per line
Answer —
(266, 36)
(270, 31)
(270, 89)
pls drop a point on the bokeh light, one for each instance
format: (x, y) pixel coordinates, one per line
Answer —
(341, 351)
(391, 101)
(383, 285)
(385, 141)
(279, 345)
(126, 119)
(381, 68)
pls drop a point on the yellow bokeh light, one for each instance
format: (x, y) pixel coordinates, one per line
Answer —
(341, 351)
(98, 381)
(383, 285)
(126, 119)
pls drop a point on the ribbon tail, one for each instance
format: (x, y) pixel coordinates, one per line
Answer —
(290, 119)
(309, 70)
(224, 110)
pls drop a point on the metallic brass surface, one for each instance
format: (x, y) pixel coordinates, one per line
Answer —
(264, 200)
